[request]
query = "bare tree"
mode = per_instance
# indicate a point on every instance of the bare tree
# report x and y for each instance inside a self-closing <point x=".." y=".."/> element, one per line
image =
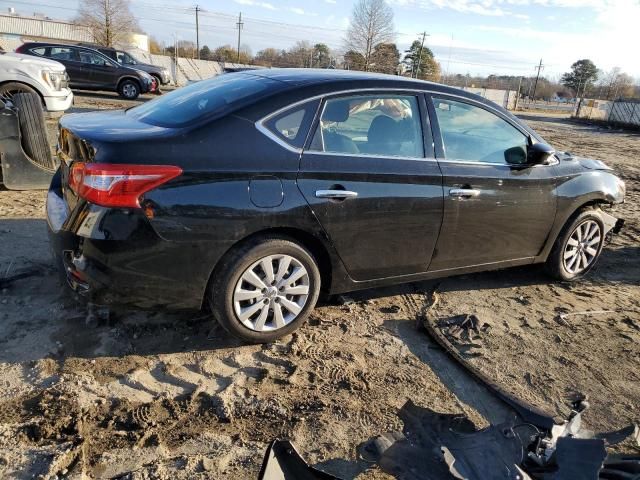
<point x="371" y="24"/>
<point x="110" y="21"/>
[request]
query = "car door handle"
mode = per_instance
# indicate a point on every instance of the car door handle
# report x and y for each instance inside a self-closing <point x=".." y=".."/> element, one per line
<point x="464" y="192"/>
<point x="336" y="194"/>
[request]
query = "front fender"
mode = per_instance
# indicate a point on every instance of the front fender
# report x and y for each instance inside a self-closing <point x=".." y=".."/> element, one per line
<point x="577" y="190"/>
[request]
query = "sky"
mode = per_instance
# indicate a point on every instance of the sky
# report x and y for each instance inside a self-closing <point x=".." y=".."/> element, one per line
<point x="502" y="37"/>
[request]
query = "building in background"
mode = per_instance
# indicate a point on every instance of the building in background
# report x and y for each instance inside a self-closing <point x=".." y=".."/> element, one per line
<point x="16" y="29"/>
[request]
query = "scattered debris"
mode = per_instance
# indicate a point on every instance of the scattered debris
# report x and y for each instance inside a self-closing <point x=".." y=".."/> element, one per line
<point x="283" y="462"/>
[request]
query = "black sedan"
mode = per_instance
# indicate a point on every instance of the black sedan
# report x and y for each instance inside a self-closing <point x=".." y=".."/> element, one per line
<point x="252" y="192"/>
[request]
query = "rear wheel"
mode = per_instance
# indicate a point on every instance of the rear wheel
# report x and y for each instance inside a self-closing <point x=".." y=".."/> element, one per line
<point x="129" y="89"/>
<point x="265" y="289"/>
<point x="578" y="246"/>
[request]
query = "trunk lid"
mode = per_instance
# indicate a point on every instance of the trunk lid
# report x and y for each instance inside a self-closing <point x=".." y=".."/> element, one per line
<point x="110" y="137"/>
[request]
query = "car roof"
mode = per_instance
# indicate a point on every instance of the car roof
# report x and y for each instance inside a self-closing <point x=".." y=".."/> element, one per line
<point x="308" y="76"/>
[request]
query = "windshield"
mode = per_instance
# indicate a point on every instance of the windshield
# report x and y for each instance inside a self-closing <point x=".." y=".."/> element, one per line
<point x="201" y="99"/>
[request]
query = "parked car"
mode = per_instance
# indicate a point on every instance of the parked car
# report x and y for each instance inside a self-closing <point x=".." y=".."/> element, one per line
<point x="160" y="74"/>
<point x="252" y="192"/>
<point x="89" y="69"/>
<point x="47" y="78"/>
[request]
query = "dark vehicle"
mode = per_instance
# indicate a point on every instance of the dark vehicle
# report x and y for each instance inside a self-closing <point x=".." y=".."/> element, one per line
<point x="252" y="192"/>
<point x="89" y="69"/>
<point x="160" y="74"/>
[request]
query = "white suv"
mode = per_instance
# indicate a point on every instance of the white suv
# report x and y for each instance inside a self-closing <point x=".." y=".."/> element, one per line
<point x="47" y="78"/>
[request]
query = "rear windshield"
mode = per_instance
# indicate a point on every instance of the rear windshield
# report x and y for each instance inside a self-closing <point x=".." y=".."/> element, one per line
<point x="202" y="99"/>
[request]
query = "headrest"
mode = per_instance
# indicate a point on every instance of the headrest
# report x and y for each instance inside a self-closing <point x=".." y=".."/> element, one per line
<point x="336" y="111"/>
<point x="382" y="129"/>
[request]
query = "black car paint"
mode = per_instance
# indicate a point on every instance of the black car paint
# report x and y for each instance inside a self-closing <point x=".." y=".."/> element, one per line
<point x="87" y="76"/>
<point x="238" y="182"/>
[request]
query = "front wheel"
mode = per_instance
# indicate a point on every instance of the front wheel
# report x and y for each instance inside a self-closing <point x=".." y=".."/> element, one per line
<point x="129" y="89"/>
<point x="578" y="246"/>
<point x="265" y="289"/>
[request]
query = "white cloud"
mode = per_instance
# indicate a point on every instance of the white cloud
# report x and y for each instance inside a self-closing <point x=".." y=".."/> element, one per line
<point x="253" y="3"/>
<point x="332" y="2"/>
<point x="301" y="11"/>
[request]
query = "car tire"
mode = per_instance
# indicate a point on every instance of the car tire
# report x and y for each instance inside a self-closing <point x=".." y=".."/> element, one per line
<point x="158" y="85"/>
<point x="578" y="246"/>
<point x="8" y="90"/>
<point x="33" y="129"/>
<point x="259" y="310"/>
<point x="129" y="89"/>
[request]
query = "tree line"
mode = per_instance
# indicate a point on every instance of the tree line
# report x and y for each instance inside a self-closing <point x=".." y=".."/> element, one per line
<point x="369" y="45"/>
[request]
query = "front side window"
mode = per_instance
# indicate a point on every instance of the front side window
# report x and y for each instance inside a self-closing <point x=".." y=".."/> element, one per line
<point x="473" y="134"/>
<point x="92" y="58"/>
<point x="387" y="125"/>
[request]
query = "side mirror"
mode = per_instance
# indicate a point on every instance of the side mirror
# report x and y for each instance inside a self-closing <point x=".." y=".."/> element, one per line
<point x="516" y="156"/>
<point x="539" y="153"/>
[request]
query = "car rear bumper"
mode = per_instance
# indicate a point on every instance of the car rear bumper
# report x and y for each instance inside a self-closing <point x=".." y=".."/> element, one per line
<point x="114" y="257"/>
<point x="59" y="103"/>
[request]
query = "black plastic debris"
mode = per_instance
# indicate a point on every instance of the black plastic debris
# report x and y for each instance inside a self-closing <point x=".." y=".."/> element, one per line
<point x="444" y="446"/>
<point x="283" y="462"/>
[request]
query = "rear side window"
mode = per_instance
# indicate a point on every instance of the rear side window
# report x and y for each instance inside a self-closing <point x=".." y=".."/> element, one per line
<point x="61" y="53"/>
<point x="473" y="134"/>
<point x="39" y="51"/>
<point x="292" y="125"/>
<point x="203" y="99"/>
<point x="387" y="125"/>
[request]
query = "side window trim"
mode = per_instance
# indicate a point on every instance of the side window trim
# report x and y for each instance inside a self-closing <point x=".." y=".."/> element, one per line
<point x="265" y="125"/>
<point x="437" y="133"/>
<point x="427" y="152"/>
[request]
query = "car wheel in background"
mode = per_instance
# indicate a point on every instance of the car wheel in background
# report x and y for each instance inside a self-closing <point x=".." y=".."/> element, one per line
<point x="264" y="289"/>
<point x="129" y="89"/>
<point x="33" y="129"/>
<point x="578" y="246"/>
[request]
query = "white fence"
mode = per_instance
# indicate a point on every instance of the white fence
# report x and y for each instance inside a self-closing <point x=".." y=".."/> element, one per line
<point x="622" y="112"/>
<point x="187" y="69"/>
<point x="504" y="98"/>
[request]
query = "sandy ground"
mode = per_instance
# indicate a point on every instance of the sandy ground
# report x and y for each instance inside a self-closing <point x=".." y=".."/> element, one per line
<point x="171" y="396"/>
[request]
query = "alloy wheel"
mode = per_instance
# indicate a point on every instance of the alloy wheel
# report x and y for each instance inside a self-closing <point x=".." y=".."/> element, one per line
<point x="129" y="90"/>
<point x="582" y="247"/>
<point x="271" y="293"/>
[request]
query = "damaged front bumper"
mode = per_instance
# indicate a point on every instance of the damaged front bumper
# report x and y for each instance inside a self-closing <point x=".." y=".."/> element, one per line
<point x="612" y="225"/>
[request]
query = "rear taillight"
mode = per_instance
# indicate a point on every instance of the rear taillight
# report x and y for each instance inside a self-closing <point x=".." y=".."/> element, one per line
<point x="113" y="185"/>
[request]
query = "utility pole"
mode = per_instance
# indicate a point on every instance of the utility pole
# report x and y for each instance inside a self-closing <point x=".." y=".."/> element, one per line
<point x="198" y="31"/>
<point x="535" y="85"/>
<point x="239" y="24"/>
<point x="424" y="36"/>
<point x="515" y="107"/>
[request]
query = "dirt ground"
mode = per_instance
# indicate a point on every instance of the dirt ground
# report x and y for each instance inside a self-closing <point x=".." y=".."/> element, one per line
<point x="151" y="395"/>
